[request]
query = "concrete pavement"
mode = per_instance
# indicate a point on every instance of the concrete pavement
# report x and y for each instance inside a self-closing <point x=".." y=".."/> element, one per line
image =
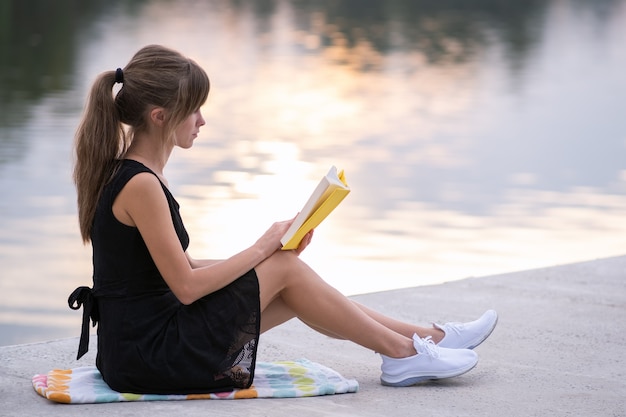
<point x="558" y="350"/>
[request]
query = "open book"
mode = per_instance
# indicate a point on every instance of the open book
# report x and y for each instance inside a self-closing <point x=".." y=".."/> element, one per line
<point x="330" y="191"/>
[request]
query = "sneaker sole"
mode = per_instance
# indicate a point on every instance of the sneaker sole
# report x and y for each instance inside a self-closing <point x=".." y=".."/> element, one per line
<point x="476" y="344"/>
<point x="407" y="382"/>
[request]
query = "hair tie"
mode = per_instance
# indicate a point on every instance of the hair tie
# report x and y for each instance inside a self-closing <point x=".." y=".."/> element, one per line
<point x="119" y="76"/>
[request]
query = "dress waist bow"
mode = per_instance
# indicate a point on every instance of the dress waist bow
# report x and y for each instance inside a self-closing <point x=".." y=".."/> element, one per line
<point x="83" y="297"/>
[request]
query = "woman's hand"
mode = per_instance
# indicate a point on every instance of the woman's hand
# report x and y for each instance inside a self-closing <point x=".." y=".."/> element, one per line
<point x="270" y="241"/>
<point x="304" y="242"/>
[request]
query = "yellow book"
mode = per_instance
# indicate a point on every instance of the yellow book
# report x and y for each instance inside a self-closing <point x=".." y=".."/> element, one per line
<point x="330" y="191"/>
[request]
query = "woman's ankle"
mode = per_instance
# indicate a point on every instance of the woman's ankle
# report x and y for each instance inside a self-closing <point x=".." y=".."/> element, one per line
<point x="403" y="350"/>
<point x="436" y="334"/>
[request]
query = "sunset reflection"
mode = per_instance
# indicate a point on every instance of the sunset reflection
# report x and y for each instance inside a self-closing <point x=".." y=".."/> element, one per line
<point x="476" y="141"/>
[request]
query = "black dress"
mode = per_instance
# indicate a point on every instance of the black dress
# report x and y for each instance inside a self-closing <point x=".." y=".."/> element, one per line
<point x="148" y="341"/>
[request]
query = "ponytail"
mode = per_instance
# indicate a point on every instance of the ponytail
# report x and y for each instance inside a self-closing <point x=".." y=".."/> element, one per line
<point x="100" y="142"/>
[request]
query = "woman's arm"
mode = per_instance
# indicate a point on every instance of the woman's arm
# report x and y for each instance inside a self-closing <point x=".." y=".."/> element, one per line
<point x="201" y="263"/>
<point x="142" y="204"/>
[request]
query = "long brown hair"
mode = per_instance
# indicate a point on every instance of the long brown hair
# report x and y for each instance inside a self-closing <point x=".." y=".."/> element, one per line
<point x="155" y="76"/>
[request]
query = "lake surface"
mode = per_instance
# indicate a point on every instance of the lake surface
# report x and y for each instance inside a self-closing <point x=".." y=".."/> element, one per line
<point x="478" y="137"/>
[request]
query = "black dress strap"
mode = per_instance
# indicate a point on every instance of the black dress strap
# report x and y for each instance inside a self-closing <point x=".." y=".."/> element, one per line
<point x="83" y="296"/>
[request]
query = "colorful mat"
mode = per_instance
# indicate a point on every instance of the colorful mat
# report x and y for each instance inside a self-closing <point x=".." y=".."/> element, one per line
<point x="284" y="379"/>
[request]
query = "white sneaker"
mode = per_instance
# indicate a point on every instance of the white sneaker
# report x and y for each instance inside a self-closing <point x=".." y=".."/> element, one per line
<point x="431" y="362"/>
<point x="468" y="335"/>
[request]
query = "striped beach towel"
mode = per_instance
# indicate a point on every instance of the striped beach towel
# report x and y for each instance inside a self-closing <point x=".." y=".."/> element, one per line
<point x="281" y="379"/>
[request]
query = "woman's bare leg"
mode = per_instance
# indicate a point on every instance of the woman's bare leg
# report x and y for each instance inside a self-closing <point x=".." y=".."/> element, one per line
<point x="401" y="327"/>
<point x="283" y="276"/>
<point x="278" y="312"/>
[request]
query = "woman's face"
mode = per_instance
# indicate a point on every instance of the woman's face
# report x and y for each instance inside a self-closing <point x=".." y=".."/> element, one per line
<point x="188" y="130"/>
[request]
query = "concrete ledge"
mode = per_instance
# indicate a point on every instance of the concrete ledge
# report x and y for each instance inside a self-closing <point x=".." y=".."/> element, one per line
<point x="558" y="350"/>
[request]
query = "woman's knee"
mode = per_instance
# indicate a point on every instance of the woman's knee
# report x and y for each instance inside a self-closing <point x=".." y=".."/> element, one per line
<point x="279" y="266"/>
<point x="274" y="274"/>
<point x="280" y="262"/>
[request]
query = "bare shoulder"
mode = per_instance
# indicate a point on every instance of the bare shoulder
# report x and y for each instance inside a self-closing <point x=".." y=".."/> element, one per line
<point x="144" y="181"/>
<point x="142" y="195"/>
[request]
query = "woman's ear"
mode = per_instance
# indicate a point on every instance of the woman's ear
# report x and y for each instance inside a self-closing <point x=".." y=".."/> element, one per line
<point x="157" y="116"/>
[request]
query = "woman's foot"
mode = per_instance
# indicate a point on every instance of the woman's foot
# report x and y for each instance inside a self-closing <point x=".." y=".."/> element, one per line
<point x="468" y="335"/>
<point x="431" y="362"/>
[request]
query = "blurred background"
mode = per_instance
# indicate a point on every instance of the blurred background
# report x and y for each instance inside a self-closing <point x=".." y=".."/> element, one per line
<point x="478" y="137"/>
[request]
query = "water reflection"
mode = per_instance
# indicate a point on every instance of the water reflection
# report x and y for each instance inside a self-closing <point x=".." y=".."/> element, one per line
<point x="478" y="137"/>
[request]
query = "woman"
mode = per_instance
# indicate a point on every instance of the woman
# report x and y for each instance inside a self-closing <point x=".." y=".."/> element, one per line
<point x="168" y="323"/>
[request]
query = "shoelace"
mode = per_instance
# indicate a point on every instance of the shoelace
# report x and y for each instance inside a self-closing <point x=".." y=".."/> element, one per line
<point x="455" y="327"/>
<point x="426" y="346"/>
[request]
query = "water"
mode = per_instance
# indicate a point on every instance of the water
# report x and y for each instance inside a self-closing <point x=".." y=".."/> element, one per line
<point x="478" y="138"/>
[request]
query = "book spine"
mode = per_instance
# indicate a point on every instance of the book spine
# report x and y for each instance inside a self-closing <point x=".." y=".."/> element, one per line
<point x="317" y="217"/>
